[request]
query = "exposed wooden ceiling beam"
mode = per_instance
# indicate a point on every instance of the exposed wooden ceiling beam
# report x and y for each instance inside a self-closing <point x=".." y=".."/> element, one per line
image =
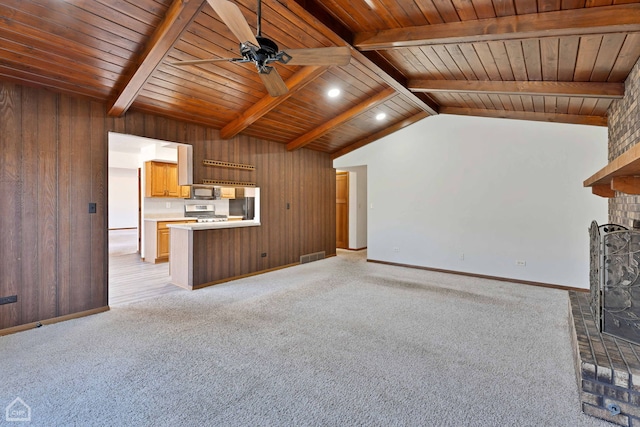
<point x="178" y="17"/>
<point x="580" y="89"/>
<point x="591" y="20"/>
<point x="341" y="118"/>
<point x="396" y="80"/>
<point x="527" y="115"/>
<point x="381" y="134"/>
<point x="296" y="82"/>
<point x="314" y="13"/>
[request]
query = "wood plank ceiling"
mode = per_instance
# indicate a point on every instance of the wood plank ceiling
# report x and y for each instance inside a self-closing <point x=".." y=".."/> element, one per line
<point x="549" y="60"/>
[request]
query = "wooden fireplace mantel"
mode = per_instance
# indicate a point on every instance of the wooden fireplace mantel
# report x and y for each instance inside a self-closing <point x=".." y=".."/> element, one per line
<point x="621" y="174"/>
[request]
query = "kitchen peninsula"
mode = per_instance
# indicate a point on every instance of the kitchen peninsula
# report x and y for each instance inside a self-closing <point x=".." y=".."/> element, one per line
<point x="205" y="253"/>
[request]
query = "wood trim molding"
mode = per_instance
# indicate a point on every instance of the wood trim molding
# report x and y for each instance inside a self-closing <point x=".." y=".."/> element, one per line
<point x="178" y="17"/>
<point x="369" y="103"/>
<point x="591" y="20"/>
<point x="545" y="88"/>
<point x="51" y="321"/>
<point x="528" y="115"/>
<point x="483" y="276"/>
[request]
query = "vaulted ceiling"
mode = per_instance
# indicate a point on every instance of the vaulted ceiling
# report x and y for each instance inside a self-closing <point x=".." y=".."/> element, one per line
<point x="548" y="60"/>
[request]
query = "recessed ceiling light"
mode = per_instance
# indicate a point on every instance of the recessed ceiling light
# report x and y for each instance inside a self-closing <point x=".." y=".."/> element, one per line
<point x="380" y="116"/>
<point x="333" y="92"/>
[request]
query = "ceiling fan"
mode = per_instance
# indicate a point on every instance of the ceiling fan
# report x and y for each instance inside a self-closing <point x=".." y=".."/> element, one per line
<point x="262" y="51"/>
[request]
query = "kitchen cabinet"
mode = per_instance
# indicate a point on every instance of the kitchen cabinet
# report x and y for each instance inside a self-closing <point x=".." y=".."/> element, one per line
<point x="185" y="191"/>
<point x="228" y="192"/>
<point x="162" y="249"/>
<point x="157" y="239"/>
<point x="161" y="180"/>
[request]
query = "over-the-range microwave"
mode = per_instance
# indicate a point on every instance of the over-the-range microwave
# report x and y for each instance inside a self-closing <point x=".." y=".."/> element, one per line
<point x="205" y="192"/>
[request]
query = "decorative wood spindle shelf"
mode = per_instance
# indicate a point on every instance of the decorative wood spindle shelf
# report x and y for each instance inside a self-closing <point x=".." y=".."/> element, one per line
<point x="622" y="174"/>
<point x="228" y="183"/>
<point x="229" y="165"/>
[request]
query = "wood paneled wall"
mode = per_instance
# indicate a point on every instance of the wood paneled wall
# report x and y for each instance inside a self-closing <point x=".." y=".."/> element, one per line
<point x="54" y="154"/>
<point x="296" y="215"/>
<point x="54" y="162"/>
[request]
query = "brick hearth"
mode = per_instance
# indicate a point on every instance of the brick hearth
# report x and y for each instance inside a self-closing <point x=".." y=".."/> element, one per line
<point x="607" y="368"/>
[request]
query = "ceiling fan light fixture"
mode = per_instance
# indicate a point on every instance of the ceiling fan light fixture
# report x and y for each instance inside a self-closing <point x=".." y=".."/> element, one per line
<point x="262" y="51"/>
<point x="333" y="92"/>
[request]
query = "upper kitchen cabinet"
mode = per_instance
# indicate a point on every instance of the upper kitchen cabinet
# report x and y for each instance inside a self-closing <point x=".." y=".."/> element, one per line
<point x="161" y="180"/>
<point x="228" y="192"/>
<point x="185" y="191"/>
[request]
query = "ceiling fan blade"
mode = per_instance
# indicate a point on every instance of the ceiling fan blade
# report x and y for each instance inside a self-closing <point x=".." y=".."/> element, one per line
<point x="232" y="16"/>
<point x="201" y="61"/>
<point x="274" y="83"/>
<point x="320" y="56"/>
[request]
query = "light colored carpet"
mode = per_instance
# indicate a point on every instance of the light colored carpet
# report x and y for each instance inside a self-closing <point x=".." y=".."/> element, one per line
<point x="337" y="342"/>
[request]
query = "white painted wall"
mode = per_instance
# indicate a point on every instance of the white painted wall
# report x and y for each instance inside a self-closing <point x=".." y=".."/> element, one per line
<point x="122" y="160"/>
<point x="494" y="190"/>
<point x="123" y="198"/>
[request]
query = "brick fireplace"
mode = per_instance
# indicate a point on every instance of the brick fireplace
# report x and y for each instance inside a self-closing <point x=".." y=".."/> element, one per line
<point x="607" y="367"/>
<point x="608" y="364"/>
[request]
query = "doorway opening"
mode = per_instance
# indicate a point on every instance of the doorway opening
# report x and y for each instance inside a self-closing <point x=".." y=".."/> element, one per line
<point x="342" y="210"/>
<point x="351" y="208"/>
<point x="130" y="277"/>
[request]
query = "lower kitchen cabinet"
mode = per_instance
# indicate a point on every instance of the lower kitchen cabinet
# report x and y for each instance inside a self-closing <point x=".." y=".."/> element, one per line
<point x="157" y="238"/>
<point x="162" y="250"/>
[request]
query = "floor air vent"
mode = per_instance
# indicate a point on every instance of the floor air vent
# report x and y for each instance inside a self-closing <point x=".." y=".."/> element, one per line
<point x="311" y="257"/>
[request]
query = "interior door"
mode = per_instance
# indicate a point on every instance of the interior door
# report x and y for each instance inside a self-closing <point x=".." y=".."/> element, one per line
<point x="342" y="210"/>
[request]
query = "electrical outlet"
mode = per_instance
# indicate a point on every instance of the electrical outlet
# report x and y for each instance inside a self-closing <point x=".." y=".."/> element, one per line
<point x="168" y="205"/>
<point x="521" y="263"/>
<point x="396" y="249"/>
<point x="461" y="256"/>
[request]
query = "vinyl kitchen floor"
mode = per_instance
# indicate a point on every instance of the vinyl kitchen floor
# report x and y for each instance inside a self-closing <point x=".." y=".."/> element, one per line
<point x="130" y="278"/>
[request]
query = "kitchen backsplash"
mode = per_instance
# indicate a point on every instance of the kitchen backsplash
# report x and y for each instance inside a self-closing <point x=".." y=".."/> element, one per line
<point x="154" y="207"/>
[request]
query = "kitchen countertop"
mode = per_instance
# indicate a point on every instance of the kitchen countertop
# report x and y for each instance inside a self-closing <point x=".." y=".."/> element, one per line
<point x="167" y="218"/>
<point x="215" y="225"/>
